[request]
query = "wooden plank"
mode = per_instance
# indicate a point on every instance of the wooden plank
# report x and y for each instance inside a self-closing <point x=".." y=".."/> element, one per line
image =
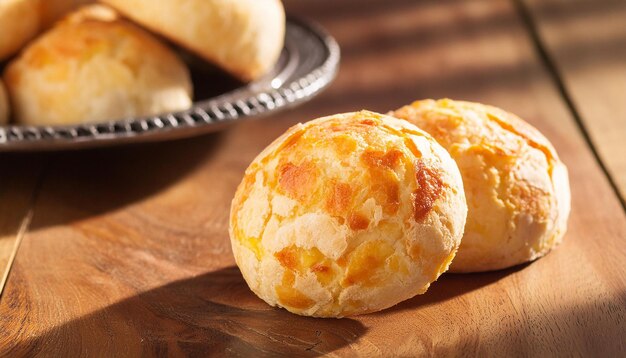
<point x="128" y="251"/>
<point x="586" y="40"/>
<point x="17" y="189"/>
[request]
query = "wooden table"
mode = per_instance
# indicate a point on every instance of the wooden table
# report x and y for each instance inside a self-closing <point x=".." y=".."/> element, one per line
<point x="125" y="251"/>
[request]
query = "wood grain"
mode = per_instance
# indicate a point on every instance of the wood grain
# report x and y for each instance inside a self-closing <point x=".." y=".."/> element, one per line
<point x="586" y="39"/>
<point x="128" y="250"/>
<point x="17" y="191"/>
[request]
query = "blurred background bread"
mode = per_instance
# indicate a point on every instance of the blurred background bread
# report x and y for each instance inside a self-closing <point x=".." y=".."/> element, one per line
<point x="19" y="22"/>
<point x="94" y="66"/>
<point x="517" y="188"/>
<point x="54" y="10"/>
<point x="4" y="105"/>
<point x="244" y="37"/>
<point x="22" y="20"/>
<point x="347" y="214"/>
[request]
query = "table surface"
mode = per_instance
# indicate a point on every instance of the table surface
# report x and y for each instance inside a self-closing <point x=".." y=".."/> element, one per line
<point x="125" y="251"/>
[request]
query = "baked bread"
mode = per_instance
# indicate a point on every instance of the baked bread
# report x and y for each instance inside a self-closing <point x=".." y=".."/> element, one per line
<point x="347" y="214"/>
<point x="19" y="22"/>
<point x="245" y="37"/>
<point x="54" y="10"/>
<point x="4" y="105"/>
<point x="93" y="67"/>
<point x="517" y="188"/>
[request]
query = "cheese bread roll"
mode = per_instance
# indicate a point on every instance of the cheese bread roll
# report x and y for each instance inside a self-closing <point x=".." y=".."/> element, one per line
<point x="347" y="214"/>
<point x="517" y="188"/>
<point x="244" y="37"/>
<point x="92" y="67"/>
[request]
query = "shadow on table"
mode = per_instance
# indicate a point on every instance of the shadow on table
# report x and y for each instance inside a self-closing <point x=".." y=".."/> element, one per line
<point x="451" y="285"/>
<point x="78" y="185"/>
<point x="214" y="313"/>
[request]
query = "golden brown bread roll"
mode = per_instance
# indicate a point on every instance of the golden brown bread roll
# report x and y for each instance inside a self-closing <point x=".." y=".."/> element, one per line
<point x="94" y="67"/>
<point x="347" y="214"/>
<point x="4" y="105"/>
<point x="245" y="37"/>
<point x="19" y="22"/>
<point x="517" y="188"/>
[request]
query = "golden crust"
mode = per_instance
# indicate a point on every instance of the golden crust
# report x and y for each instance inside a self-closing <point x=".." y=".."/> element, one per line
<point x="245" y="37"/>
<point x="347" y="214"/>
<point x="19" y="22"/>
<point x="4" y="105"/>
<point x="517" y="188"/>
<point x="93" y="67"/>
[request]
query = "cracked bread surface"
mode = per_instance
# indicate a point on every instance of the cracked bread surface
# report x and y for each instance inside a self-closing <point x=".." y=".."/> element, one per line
<point x="347" y="214"/>
<point x="517" y="189"/>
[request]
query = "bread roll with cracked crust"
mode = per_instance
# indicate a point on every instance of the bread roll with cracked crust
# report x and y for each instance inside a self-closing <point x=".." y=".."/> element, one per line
<point x="4" y="105"/>
<point x="347" y="214"/>
<point x="517" y="188"/>
<point x="19" y="22"/>
<point x="245" y="37"/>
<point x="92" y="67"/>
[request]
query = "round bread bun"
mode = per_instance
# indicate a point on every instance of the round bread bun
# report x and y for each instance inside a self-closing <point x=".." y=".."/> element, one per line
<point x="245" y="37"/>
<point x="19" y="22"/>
<point x="93" y="67"/>
<point x="347" y="214"/>
<point x="517" y="189"/>
<point x="4" y="105"/>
